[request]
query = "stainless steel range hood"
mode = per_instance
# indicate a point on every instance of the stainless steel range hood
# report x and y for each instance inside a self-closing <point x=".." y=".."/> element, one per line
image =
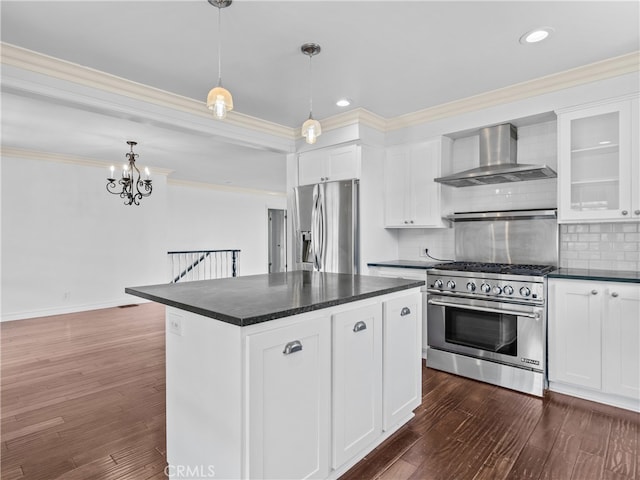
<point x="498" y="152"/>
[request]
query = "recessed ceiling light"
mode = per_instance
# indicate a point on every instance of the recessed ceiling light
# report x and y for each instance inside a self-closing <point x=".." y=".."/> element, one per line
<point x="343" y="102"/>
<point x="537" y="35"/>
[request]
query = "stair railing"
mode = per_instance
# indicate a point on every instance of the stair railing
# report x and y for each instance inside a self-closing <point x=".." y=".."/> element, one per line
<point x="190" y="265"/>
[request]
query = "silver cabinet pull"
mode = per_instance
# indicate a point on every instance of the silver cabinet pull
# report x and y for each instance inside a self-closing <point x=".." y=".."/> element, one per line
<point x="624" y="212"/>
<point x="292" y="347"/>
<point x="359" y="326"/>
<point x="405" y="311"/>
<point x="614" y="294"/>
<point x="594" y="292"/>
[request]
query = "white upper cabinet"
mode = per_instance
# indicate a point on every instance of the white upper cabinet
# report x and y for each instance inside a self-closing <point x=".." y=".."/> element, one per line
<point x="329" y="164"/>
<point x="412" y="198"/>
<point x="598" y="167"/>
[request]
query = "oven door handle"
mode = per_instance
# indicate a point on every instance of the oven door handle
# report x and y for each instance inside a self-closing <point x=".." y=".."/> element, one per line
<point x="535" y="315"/>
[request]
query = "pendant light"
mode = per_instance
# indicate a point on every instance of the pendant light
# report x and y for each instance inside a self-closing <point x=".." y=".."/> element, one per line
<point x="219" y="99"/>
<point x="311" y="129"/>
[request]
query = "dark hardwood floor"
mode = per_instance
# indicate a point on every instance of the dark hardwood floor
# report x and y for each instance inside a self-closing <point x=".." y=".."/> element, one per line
<point x="83" y="398"/>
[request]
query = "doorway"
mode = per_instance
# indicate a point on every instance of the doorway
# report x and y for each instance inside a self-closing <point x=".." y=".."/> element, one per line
<point x="277" y="240"/>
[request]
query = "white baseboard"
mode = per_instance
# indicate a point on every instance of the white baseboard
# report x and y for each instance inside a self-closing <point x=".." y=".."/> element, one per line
<point x="632" y="404"/>
<point x="48" y="312"/>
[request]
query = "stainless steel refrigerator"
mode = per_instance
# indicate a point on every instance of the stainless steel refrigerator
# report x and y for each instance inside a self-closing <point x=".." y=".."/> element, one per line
<point x="325" y="226"/>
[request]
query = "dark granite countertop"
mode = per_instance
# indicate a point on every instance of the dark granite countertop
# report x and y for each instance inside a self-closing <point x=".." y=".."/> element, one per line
<point x="600" y="275"/>
<point x="417" y="264"/>
<point x="259" y="298"/>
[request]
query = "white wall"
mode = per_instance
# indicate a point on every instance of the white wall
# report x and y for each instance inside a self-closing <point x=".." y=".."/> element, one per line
<point x="68" y="245"/>
<point x="206" y="218"/>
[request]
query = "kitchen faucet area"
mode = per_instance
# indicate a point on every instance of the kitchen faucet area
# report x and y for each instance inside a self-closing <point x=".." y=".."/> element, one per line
<point x="338" y="240"/>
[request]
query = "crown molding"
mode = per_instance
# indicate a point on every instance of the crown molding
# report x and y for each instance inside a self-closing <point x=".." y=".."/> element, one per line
<point x="358" y="115"/>
<point x="593" y="72"/>
<point x="223" y="188"/>
<point x="54" y="67"/>
<point x="68" y="159"/>
<point x="72" y="72"/>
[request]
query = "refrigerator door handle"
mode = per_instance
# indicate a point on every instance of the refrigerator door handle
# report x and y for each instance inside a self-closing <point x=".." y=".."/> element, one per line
<point x="316" y="227"/>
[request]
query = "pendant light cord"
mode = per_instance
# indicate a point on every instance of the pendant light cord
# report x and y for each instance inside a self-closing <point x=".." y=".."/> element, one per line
<point x="310" y="88"/>
<point x="219" y="49"/>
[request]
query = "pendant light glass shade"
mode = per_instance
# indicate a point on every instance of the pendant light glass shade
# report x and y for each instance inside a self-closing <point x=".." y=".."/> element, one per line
<point x="220" y="102"/>
<point x="219" y="99"/>
<point x="311" y="130"/>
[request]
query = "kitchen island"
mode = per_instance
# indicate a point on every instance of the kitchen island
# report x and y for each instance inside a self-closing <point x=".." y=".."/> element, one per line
<point x="288" y="375"/>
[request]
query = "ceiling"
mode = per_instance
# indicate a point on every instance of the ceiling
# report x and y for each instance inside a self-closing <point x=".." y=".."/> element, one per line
<point x="391" y="58"/>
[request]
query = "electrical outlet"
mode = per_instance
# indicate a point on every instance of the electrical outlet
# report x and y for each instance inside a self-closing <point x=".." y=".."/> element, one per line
<point x="422" y="251"/>
<point x="175" y="325"/>
<point x="66" y="296"/>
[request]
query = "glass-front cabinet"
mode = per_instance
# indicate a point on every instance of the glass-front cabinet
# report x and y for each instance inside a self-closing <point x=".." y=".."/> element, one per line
<point x="598" y="167"/>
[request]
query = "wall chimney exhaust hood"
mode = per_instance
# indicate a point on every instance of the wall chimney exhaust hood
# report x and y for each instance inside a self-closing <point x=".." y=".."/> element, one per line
<point x="498" y="152"/>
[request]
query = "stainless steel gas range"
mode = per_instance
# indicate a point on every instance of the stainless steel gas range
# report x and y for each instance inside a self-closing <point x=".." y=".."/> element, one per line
<point x="486" y="319"/>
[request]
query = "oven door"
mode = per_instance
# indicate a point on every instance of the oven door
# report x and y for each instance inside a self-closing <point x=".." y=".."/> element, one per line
<point x="501" y="332"/>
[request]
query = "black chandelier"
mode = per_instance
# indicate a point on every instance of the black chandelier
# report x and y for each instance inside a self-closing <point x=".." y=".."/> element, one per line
<point x="129" y="171"/>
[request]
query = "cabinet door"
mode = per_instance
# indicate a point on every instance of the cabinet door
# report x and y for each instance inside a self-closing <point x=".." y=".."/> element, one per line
<point x="312" y="167"/>
<point x="575" y="322"/>
<point x="357" y="381"/>
<point x="396" y="194"/>
<point x="635" y="156"/>
<point x="343" y="163"/>
<point x="328" y="165"/>
<point x="401" y="358"/>
<point x="288" y="391"/>
<point x="621" y="334"/>
<point x="595" y="163"/>
<point x="426" y="161"/>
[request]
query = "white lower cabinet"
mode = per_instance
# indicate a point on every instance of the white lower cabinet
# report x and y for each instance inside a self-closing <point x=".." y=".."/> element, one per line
<point x="413" y="273"/>
<point x="357" y="381"/>
<point x="594" y="338"/>
<point x="402" y="366"/>
<point x="289" y="384"/>
<point x="305" y="396"/>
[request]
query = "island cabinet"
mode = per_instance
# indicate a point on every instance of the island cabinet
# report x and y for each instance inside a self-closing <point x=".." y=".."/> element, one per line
<point x="289" y="371"/>
<point x="357" y="381"/>
<point x="304" y="396"/>
<point x="594" y="337"/>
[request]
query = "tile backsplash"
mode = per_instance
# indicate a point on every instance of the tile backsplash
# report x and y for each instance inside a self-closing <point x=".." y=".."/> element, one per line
<point x="609" y="246"/>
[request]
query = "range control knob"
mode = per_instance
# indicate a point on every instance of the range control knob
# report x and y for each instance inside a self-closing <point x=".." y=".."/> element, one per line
<point x="438" y="283"/>
<point x="471" y="286"/>
<point x="525" y="291"/>
<point x="451" y="284"/>
<point x="508" y="289"/>
<point x="485" y="287"/>
<point x="497" y="290"/>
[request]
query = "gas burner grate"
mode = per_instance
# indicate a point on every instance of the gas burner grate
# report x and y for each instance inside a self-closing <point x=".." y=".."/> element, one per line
<point x="501" y="268"/>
